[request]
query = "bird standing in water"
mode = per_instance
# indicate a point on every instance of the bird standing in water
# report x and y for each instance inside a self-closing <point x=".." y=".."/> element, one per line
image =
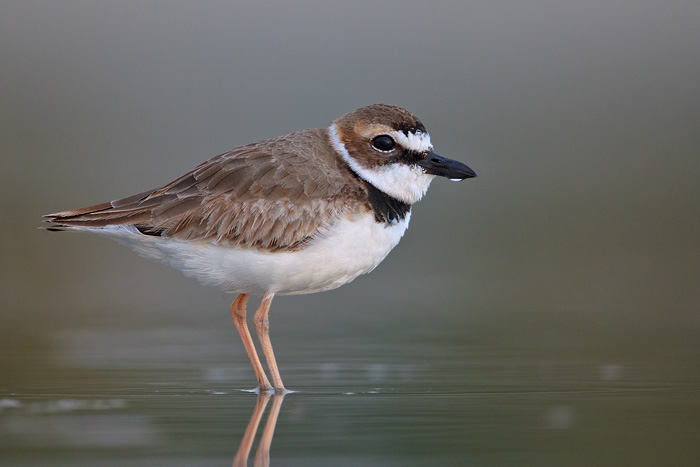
<point x="301" y="213"/>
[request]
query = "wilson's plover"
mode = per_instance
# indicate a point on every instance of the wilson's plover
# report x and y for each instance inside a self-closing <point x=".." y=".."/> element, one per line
<point x="301" y="213"/>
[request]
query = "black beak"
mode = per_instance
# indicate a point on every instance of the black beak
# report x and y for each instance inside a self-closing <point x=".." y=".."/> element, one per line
<point x="444" y="167"/>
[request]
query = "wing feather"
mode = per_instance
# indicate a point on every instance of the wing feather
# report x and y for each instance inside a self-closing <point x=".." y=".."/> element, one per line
<point x="266" y="195"/>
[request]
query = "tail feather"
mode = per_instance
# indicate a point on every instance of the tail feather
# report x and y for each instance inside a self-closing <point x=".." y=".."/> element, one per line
<point x="125" y="211"/>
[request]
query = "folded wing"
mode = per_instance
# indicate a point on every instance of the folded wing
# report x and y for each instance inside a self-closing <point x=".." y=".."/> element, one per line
<point x="266" y="195"/>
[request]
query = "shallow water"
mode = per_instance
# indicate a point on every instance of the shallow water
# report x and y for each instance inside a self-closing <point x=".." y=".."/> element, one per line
<point x="108" y="398"/>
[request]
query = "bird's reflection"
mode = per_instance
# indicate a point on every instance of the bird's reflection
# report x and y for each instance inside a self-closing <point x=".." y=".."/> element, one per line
<point x="262" y="455"/>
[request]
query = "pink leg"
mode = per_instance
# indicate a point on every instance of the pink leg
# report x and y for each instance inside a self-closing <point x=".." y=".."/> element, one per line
<point x="238" y="315"/>
<point x="262" y="329"/>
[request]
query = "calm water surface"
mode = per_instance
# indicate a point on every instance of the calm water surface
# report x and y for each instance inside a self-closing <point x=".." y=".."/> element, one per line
<point x="101" y="400"/>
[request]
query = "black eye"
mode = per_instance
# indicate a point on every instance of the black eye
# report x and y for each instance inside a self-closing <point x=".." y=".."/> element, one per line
<point x="384" y="143"/>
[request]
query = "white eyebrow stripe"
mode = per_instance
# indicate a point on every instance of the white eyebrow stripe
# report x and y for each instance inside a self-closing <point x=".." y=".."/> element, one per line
<point x="418" y="141"/>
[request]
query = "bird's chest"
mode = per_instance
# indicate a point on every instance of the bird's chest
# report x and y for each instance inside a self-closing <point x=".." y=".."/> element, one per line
<point x="352" y="246"/>
<point x="357" y="242"/>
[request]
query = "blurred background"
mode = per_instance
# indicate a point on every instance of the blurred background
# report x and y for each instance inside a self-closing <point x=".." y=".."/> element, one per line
<point x="579" y="237"/>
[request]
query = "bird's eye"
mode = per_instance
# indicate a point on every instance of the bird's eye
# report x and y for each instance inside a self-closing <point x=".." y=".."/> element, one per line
<point x="384" y="143"/>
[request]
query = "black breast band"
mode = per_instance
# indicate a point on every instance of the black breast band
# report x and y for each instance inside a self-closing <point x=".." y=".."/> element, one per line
<point x="386" y="208"/>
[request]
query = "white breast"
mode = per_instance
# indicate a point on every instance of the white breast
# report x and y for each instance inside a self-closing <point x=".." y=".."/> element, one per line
<point x="353" y="246"/>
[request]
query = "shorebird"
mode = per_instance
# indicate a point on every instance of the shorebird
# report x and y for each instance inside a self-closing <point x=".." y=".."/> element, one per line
<point x="301" y="213"/>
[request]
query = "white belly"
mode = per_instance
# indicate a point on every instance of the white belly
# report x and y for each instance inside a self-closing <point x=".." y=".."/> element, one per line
<point x="353" y="246"/>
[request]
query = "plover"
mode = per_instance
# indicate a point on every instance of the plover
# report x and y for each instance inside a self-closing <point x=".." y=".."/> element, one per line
<point x="301" y="213"/>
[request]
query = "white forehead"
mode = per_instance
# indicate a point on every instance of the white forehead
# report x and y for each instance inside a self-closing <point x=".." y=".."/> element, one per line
<point x="418" y="141"/>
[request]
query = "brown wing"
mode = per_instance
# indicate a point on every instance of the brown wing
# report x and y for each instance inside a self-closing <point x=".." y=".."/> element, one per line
<point x="267" y="195"/>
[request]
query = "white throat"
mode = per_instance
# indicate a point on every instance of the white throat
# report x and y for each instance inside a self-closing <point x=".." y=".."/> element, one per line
<point x="407" y="183"/>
